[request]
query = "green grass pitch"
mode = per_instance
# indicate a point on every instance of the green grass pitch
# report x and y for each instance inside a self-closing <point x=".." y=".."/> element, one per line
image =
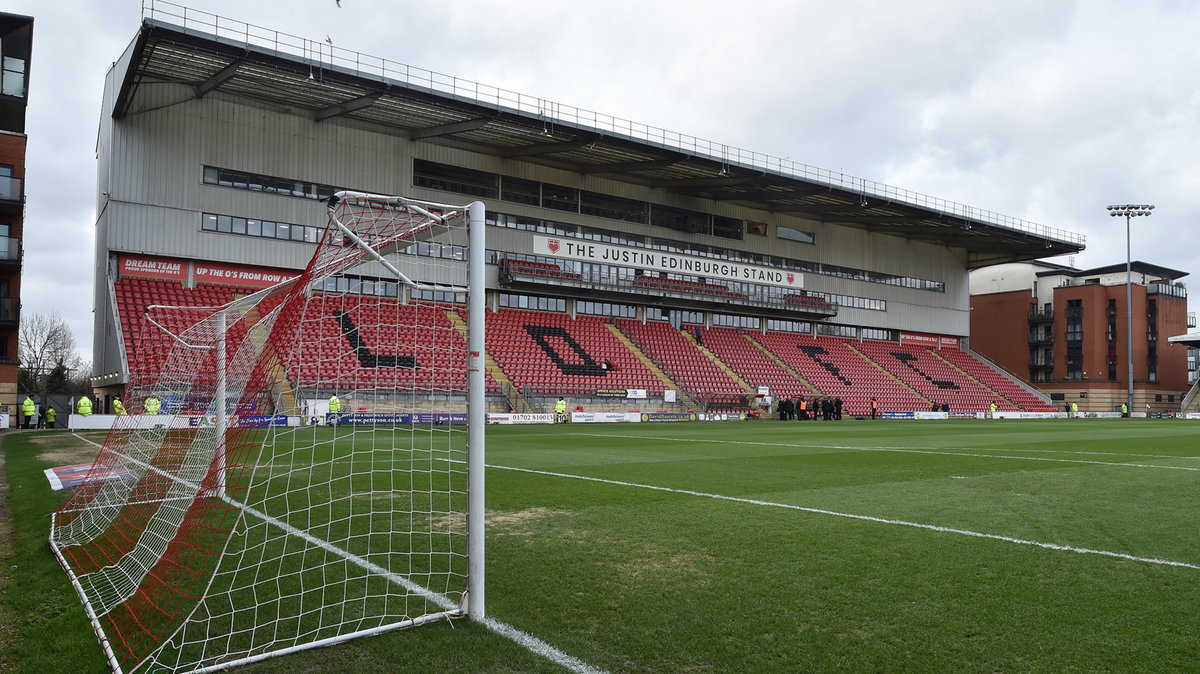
<point x="950" y="546"/>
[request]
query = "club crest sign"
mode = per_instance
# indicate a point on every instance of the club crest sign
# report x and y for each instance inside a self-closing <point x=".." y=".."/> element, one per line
<point x="553" y="245"/>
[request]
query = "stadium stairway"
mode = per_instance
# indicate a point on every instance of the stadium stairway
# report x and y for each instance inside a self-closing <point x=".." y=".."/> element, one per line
<point x="684" y="397"/>
<point x="755" y="363"/>
<point x="516" y="402"/>
<point x="282" y="389"/>
<point x="750" y="390"/>
<point x="883" y="369"/>
<point x="996" y="393"/>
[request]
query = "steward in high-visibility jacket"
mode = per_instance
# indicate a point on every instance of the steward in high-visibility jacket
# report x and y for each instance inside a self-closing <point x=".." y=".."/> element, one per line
<point x="560" y="411"/>
<point x="51" y="417"/>
<point x="28" y="408"/>
<point x="335" y="404"/>
<point x="85" y="406"/>
<point x="152" y="405"/>
<point x="118" y="406"/>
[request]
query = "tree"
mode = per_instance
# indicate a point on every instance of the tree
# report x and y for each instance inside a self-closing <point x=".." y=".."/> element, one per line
<point x="45" y="344"/>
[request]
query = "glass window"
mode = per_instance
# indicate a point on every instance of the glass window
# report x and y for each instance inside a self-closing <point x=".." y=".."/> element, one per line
<point x="13" y="83"/>
<point x="614" y="208"/>
<point x="560" y="198"/>
<point x="794" y="235"/>
<point x="224" y="223"/>
<point x="209" y="222"/>
<point x="455" y="179"/>
<point x="679" y="219"/>
<point x="521" y="191"/>
<point x="727" y="228"/>
<point x="254" y="227"/>
<point x="239" y="225"/>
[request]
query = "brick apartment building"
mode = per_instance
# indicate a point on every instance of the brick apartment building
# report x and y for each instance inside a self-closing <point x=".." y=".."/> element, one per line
<point x="1064" y="330"/>
<point x="16" y="43"/>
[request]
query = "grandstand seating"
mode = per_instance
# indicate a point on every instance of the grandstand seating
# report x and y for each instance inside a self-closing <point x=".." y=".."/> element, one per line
<point x="376" y="359"/>
<point x="808" y="301"/>
<point x="147" y="347"/>
<point x="552" y="353"/>
<point x="838" y="371"/>
<point x="365" y="341"/>
<point x="679" y="358"/>
<point x="994" y="380"/>
<point x="680" y="285"/>
<point x="546" y="269"/>
<point x="749" y="362"/>
<point x="935" y="378"/>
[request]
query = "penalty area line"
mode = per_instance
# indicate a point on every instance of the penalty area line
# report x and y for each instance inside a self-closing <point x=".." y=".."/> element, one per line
<point x="863" y="518"/>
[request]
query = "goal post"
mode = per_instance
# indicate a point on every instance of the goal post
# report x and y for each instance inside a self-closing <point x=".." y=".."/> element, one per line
<point x="316" y="471"/>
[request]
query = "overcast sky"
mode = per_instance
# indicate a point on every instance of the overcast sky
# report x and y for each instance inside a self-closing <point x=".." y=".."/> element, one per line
<point x="1044" y="111"/>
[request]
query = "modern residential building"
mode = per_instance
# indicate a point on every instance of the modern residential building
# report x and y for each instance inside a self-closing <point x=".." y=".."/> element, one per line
<point x="16" y="43"/>
<point x="1064" y="330"/>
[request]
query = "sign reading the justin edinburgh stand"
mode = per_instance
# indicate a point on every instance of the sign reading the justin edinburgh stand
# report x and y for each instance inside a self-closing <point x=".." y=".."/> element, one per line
<point x="658" y="260"/>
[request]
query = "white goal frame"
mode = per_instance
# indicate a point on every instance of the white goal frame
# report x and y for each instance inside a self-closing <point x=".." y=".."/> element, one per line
<point x="213" y="484"/>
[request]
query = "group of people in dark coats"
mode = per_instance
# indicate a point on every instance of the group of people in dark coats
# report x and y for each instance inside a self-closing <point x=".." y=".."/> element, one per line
<point x="824" y="408"/>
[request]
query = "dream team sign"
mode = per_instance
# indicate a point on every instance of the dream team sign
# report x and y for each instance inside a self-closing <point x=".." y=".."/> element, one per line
<point x="657" y="260"/>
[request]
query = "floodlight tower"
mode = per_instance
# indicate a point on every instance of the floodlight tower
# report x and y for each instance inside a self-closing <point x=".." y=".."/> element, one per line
<point x="1129" y="211"/>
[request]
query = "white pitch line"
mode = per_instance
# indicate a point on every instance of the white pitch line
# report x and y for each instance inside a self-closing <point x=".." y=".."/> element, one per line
<point x="865" y="518"/>
<point x="902" y="450"/>
<point x="528" y="641"/>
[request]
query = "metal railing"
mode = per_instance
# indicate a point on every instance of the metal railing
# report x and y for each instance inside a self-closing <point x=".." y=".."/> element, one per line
<point x="10" y="248"/>
<point x="323" y="56"/>
<point x="10" y="189"/>
<point x="10" y="309"/>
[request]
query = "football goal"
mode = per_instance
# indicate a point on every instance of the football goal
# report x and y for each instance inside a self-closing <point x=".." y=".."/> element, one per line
<point x="303" y="464"/>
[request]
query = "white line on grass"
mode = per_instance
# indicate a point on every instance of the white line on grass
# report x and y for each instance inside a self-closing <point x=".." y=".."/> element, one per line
<point x="865" y="518"/>
<point x="902" y="450"/>
<point x="530" y="642"/>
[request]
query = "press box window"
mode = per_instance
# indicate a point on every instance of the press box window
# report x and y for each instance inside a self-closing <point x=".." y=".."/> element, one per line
<point x="794" y="235"/>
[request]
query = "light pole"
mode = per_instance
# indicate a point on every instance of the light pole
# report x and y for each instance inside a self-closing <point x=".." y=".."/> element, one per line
<point x="1129" y="211"/>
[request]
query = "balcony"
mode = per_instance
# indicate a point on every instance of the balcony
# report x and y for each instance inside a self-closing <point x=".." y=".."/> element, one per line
<point x="1037" y="315"/>
<point x="10" y="190"/>
<point x="523" y="273"/>
<point x="1042" y="340"/>
<point x="10" y="250"/>
<point x="1040" y="364"/>
<point x="10" y="310"/>
<point x="1166" y="290"/>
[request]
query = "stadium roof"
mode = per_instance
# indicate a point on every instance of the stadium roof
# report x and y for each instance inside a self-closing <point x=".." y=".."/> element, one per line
<point x="1145" y="268"/>
<point x="214" y="55"/>
<point x="1192" y="339"/>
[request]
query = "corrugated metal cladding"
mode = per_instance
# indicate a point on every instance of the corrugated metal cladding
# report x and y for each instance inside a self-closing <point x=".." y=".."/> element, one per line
<point x="157" y="176"/>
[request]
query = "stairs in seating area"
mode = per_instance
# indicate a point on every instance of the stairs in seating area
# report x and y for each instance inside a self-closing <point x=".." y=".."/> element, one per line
<point x="708" y="353"/>
<point x="684" y="398"/>
<point x="678" y="356"/>
<point x="516" y="401"/>
<point x="276" y="372"/>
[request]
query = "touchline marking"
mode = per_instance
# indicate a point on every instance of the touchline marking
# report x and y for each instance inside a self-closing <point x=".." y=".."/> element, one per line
<point x="530" y="642"/>
<point x="865" y="518"/>
<point x="903" y="450"/>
